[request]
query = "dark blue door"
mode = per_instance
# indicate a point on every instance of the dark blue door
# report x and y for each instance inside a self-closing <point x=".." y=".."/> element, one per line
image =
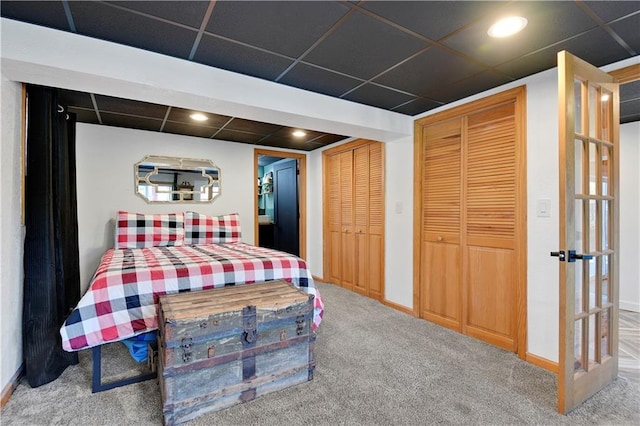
<point x="285" y="189"/>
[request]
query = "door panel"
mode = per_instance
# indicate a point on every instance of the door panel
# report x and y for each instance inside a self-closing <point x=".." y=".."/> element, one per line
<point x="361" y="218"/>
<point x="376" y="265"/>
<point x="361" y="262"/>
<point x="285" y="190"/>
<point x="588" y="329"/>
<point x="490" y="313"/>
<point x="441" y="219"/>
<point x="490" y="218"/>
<point x="441" y="284"/>
<point x="335" y="224"/>
<point x="376" y="220"/>
<point x="347" y="268"/>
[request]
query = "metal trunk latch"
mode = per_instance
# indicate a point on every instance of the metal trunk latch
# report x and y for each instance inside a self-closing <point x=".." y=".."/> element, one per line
<point x="249" y="325"/>
<point x="299" y="324"/>
<point x="185" y="344"/>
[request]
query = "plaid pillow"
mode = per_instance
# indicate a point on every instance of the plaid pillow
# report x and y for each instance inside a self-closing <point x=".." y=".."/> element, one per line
<point x="203" y="229"/>
<point x="135" y="230"/>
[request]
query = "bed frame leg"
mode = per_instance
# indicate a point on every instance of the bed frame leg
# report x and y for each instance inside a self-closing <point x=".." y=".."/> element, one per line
<point x="98" y="386"/>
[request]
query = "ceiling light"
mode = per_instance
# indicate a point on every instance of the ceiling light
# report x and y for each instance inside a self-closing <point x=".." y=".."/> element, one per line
<point x="507" y="26"/>
<point x="199" y="117"/>
<point x="299" y="133"/>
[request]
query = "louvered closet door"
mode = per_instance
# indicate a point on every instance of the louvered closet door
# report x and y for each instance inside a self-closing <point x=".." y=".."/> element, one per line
<point x="347" y="264"/>
<point x="441" y="219"/>
<point x="335" y="223"/>
<point x="376" y="220"/>
<point x="361" y="219"/>
<point x="490" y="204"/>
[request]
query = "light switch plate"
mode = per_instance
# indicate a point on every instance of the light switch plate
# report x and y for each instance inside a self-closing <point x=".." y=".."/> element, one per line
<point x="398" y="207"/>
<point x="543" y="208"/>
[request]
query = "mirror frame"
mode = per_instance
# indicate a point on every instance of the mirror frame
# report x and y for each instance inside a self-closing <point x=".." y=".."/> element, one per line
<point x="193" y="165"/>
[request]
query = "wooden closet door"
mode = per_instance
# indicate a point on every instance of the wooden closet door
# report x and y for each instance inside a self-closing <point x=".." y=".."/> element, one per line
<point x="347" y="264"/>
<point x="376" y="221"/>
<point x="441" y="220"/>
<point x="334" y="222"/>
<point x="361" y="219"/>
<point x="490" y="207"/>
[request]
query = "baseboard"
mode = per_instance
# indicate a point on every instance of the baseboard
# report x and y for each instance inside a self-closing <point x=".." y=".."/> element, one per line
<point x="397" y="307"/>
<point x="542" y="362"/>
<point x="11" y="386"/>
<point x="318" y="279"/>
<point x="629" y="306"/>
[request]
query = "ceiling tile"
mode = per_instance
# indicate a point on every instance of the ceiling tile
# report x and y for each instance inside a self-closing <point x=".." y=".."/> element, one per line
<point x="129" y="107"/>
<point x="327" y="139"/>
<point x="630" y="90"/>
<point x="417" y="106"/>
<point x="236" y="57"/>
<point x="629" y="30"/>
<point x="235" y="136"/>
<point x="183" y="116"/>
<point x="549" y="22"/>
<point x="278" y="142"/>
<point x="428" y="71"/>
<point x="318" y="80"/>
<point x="286" y="136"/>
<point x="377" y="96"/>
<point x="256" y="127"/>
<point x="84" y="115"/>
<point x="432" y="19"/>
<point x="363" y="47"/>
<point x="610" y="10"/>
<point x="108" y="23"/>
<point x="189" y="129"/>
<point x="595" y="47"/>
<point x="183" y="12"/>
<point x="630" y="102"/>
<point x="129" y="121"/>
<point x="469" y="86"/>
<point x="630" y="111"/>
<point x="270" y="25"/>
<point x="74" y="98"/>
<point x="52" y="16"/>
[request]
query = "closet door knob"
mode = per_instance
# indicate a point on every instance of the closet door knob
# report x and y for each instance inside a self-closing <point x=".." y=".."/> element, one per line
<point x="439" y="238"/>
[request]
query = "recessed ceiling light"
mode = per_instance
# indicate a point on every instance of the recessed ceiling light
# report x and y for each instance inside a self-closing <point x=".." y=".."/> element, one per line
<point x="299" y="133"/>
<point x="199" y="117"/>
<point x="507" y="26"/>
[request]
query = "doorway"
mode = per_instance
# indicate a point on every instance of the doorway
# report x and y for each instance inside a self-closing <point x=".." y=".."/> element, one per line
<point x="280" y="201"/>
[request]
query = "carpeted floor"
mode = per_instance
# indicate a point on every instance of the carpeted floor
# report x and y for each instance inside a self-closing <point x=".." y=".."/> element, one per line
<point x="375" y="366"/>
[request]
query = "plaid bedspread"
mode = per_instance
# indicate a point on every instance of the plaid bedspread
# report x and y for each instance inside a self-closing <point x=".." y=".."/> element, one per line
<point x="121" y="300"/>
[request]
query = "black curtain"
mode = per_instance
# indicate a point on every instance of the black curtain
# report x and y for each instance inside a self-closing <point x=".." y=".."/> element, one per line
<point x="51" y="269"/>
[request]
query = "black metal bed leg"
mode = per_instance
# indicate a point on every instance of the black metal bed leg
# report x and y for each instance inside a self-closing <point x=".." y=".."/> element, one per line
<point x="96" y="382"/>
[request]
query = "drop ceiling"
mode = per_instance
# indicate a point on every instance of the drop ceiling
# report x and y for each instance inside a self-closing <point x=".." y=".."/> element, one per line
<point x="403" y="56"/>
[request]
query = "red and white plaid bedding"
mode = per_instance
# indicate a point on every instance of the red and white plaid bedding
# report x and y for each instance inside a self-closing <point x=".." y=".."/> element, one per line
<point x="121" y="300"/>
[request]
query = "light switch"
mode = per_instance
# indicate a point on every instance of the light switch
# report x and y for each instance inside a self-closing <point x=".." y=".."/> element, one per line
<point x="543" y="208"/>
<point x="398" y="207"/>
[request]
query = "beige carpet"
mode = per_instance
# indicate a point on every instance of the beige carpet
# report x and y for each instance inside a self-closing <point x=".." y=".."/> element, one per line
<point x="375" y="366"/>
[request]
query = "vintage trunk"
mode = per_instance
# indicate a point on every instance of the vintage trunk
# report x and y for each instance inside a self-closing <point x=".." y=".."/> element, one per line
<point x="224" y="346"/>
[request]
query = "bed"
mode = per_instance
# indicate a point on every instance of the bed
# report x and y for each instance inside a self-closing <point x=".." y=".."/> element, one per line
<point x="164" y="254"/>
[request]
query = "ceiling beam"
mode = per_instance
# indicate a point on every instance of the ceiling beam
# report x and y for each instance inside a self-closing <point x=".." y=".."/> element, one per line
<point x="38" y="55"/>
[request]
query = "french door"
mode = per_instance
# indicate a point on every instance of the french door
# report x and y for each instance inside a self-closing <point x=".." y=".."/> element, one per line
<point x="588" y="280"/>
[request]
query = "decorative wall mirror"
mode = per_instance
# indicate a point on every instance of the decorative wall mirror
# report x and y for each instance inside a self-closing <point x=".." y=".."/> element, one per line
<point x="176" y="180"/>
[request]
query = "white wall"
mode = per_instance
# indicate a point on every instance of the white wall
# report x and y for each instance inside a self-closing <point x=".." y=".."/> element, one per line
<point x="105" y="158"/>
<point x="630" y="216"/>
<point x="11" y="233"/>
